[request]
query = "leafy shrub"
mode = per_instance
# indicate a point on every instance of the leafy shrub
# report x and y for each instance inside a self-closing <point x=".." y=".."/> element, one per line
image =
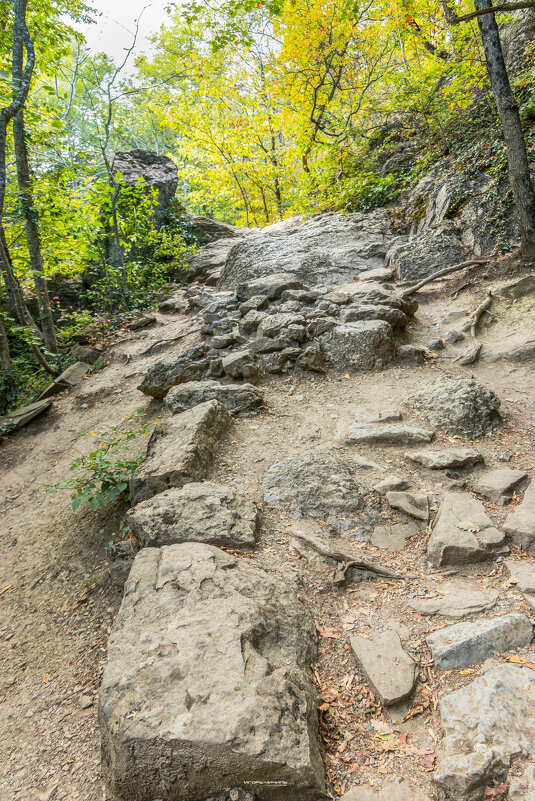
<point x="104" y="474"/>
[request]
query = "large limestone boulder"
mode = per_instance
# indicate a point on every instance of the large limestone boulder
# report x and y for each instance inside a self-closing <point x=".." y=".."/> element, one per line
<point x="198" y="512"/>
<point x="325" y="250"/>
<point x="156" y="171"/>
<point x="463" y="532"/>
<point x="237" y="398"/>
<point x="208" y="684"/>
<point x="460" y="407"/>
<point x="180" y="450"/>
<point x="364" y="345"/>
<point x="185" y="368"/>
<point x="485" y="723"/>
<point x="423" y="255"/>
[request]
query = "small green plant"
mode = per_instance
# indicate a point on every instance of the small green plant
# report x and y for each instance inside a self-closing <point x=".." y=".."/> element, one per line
<point x="104" y="474"/>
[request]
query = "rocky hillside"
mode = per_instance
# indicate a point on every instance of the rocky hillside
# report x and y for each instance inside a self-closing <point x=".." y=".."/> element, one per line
<point x="325" y="584"/>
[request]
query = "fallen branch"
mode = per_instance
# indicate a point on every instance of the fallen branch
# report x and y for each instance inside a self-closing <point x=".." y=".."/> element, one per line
<point x="164" y="341"/>
<point x="440" y="273"/>
<point x="347" y="561"/>
<point x="470" y="356"/>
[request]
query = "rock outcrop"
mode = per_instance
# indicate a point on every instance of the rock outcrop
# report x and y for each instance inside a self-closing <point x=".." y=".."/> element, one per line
<point x="207" y="684"/>
<point x="460" y="407"/>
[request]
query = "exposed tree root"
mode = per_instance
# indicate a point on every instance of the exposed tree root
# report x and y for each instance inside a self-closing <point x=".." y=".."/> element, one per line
<point x="472" y="353"/>
<point x="446" y="271"/>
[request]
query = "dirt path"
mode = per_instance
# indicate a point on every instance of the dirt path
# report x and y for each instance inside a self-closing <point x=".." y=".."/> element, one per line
<point x="56" y="612"/>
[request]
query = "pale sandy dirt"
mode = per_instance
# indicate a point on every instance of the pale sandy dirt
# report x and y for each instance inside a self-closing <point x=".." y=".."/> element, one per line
<point x="60" y="603"/>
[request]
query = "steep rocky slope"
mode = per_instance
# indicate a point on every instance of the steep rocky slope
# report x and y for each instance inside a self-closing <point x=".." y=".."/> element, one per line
<point x="337" y="596"/>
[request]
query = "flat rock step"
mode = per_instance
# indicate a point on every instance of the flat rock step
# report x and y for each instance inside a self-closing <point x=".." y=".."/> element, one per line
<point x="447" y="457"/>
<point x="180" y="450"/>
<point x="498" y="484"/>
<point x="520" y="523"/>
<point x="387" y="434"/>
<point x="24" y="414"/>
<point x="390" y="671"/>
<point x="522" y="573"/>
<point x="71" y="377"/>
<point x="465" y="644"/>
<point x="206" y="512"/>
<point x="208" y="684"/>
<point x="459" y="598"/>
<point x="463" y="532"/>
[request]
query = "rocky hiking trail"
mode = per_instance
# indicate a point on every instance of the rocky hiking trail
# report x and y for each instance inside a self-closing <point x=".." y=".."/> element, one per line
<point x="334" y="585"/>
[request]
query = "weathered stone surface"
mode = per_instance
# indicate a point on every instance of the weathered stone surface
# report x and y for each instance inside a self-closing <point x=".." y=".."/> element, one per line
<point x="211" y="258"/>
<point x="24" y="414"/>
<point x="459" y="598"/>
<point x="367" y="311"/>
<point x="421" y="256"/>
<point x="522" y="788"/>
<point x="447" y="457"/>
<point x="387" y="434"/>
<point x="163" y="375"/>
<point x="485" y="723"/>
<point x="275" y="325"/>
<point x="312" y="359"/>
<point x="237" y="398"/>
<point x="391" y="483"/>
<point x="520" y="523"/>
<point x="498" y="483"/>
<point x="461" y="406"/>
<point x="522" y="573"/>
<point x="207" y="684"/>
<point x="156" y="171"/>
<point x="411" y="355"/>
<point x="525" y="352"/>
<point x="142" y="322"/>
<point x="463" y="532"/>
<point x="465" y="644"/>
<point x="413" y="503"/>
<point x="367" y="345"/>
<point x="241" y="364"/>
<point x="390" y="670"/>
<point x="174" y="305"/>
<point x="206" y="512"/>
<point x="251" y="321"/>
<point x="180" y="450"/>
<point x="271" y="285"/>
<point x="71" y="377"/>
<point x="392" y="537"/>
<point x="316" y="484"/>
<point x="326" y="250"/>
<point x="518" y="288"/>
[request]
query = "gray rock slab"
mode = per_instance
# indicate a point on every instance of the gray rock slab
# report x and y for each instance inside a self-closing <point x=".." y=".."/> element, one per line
<point x="522" y="573"/>
<point x="368" y="311"/>
<point x="163" y="375"/>
<point x="415" y="504"/>
<point x="392" y="537"/>
<point x="465" y="644"/>
<point x="518" y="288"/>
<point x="496" y="484"/>
<point x="520" y="523"/>
<point x="241" y="364"/>
<point x="24" y="414"/>
<point x="458" y="406"/>
<point x="458" y="598"/>
<point x="237" y="398"/>
<point x="366" y="345"/>
<point x="198" y="512"/>
<point x="423" y="255"/>
<point x="180" y="450"/>
<point x="388" y="434"/>
<point x="312" y="359"/>
<point x="522" y="788"/>
<point x="71" y="377"/>
<point x="485" y="724"/>
<point x="207" y="684"/>
<point x="388" y="668"/>
<point x="463" y="532"/>
<point x="271" y="285"/>
<point x="446" y="457"/>
<point x="391" y="483"/>
<point x="389" y="415"/>
<point x="315" y="484"/>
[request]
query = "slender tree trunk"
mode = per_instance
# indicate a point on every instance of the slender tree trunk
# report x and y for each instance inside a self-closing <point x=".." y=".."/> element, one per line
<point x="11" y="299"/>
<point x="29" y="212"/>
<point x="8" y="382"/>
<point x="517" y="157"/>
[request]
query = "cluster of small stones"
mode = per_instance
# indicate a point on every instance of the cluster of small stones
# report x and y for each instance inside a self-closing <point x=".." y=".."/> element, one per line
<point x="209" y="648"/>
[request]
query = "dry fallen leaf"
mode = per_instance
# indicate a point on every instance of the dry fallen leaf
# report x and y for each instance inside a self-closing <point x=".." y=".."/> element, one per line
<point x="519" y="660"/>
<point x="5" y="589"/>
<point x="329" y="633"/>
<point x="498" y="790"/>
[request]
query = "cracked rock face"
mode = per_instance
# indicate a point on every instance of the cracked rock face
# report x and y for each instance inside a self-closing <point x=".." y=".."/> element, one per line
<point x="315" y="484"/>
<point x="180" y="450"/>
<point x="237" y="398"/>
<point x="194" y="618"/>
<point x="364" y="345"/>
<point x="462" y="407"/>
<point x="485" y="723"/>
<point x="206" y="512"/>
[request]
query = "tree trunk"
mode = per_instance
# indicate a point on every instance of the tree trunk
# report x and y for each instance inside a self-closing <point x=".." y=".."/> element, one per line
<point x="8" y="382"/>
<point x="517" y="157"/>
<point x="29" y="211"/>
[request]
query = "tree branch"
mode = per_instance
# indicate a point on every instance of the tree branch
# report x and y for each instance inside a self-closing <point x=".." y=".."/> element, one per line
<point x="502" y="8"/>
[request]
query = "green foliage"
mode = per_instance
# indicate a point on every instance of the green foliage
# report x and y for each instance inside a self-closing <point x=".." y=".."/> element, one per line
<point x="104" y="474"/>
